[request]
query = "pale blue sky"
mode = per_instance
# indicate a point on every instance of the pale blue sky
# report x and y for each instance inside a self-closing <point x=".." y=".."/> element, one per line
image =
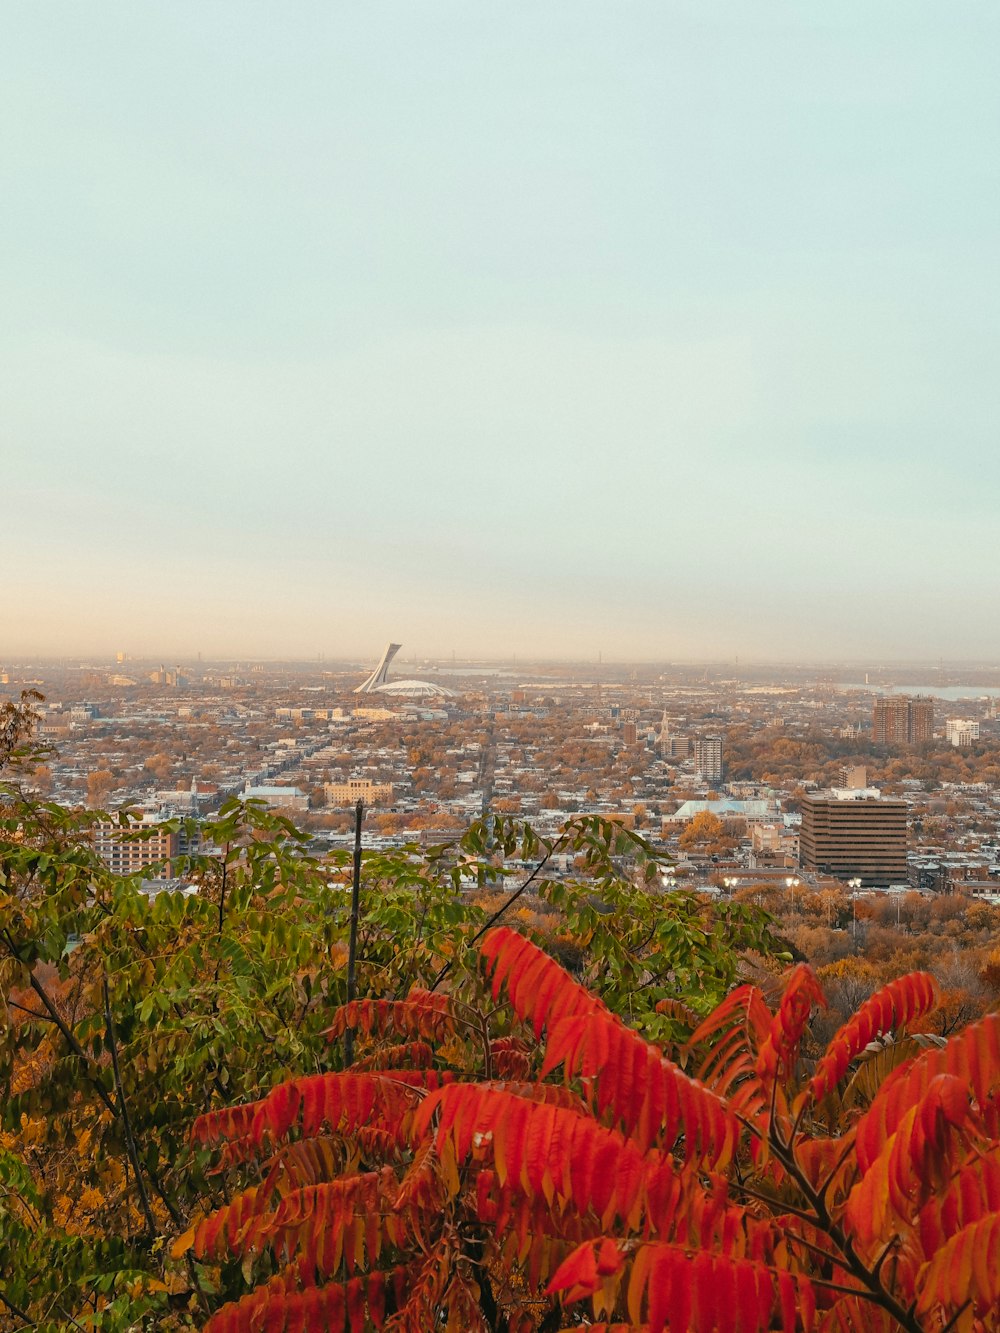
<point x="652" y="328"/>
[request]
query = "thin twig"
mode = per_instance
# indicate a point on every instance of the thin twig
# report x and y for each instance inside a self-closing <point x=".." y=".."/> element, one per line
<point x="502" y="908"/>
<point x="133" y="1152"/>
<point x="42" y="1018"/>
<point x="956" y="1317"/>
<point x="352" y="947"/>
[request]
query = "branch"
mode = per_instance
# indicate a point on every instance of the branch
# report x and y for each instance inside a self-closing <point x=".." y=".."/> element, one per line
<point x="42" y="1018"/>
<point x="71" y="1041"/>
<point x="832" y="1175"/>
<point x="133" y="1153"/>
<point x="871" y="1281"/>
<point x="352" y="946"/>
<point x="66" y="1033"/>
<point x="502" y="908"/>
<point x="956" y="1317"/>
<point x="16" y="1310"/>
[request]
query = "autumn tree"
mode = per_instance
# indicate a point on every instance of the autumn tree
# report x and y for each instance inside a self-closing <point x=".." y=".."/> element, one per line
<point x="100" y="785"/>
<point x="705" y="832"/>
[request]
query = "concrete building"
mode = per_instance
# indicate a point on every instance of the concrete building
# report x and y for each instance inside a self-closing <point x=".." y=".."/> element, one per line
<point x="773" y="844"/>
<point x="358" y="789"/>
<point x="853" y="777"/>
<point x="708" y="758"/>
<point x="128" y="853"/>
<point x="900" y="720"/>
<point x="854" y="835"/>
<point x="174" y="678"/>
<point x="961" y="732"/>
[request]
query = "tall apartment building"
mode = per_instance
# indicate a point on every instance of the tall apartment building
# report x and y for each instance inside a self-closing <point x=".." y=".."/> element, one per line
<point x="900" y="720"/>
<point x="708" y="757"/>
<point x="854" y="834"/>
<point x="853" y="777"/>
<point x="128" y="854"/>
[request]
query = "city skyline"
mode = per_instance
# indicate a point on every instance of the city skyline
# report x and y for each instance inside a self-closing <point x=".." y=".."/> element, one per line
<point x="661" y="333"/>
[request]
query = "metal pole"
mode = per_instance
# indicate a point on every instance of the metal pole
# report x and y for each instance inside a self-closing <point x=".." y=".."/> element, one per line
<point x="352" y="948"/>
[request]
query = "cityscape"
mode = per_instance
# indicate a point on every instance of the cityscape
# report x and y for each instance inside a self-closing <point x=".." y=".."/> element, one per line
<point x="794" y="773"/>
<point x="499" y="667"/>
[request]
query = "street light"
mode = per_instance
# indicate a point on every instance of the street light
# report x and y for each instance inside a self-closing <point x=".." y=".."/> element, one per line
<point x="792" y="881"/>
<point x="854" y="885"/>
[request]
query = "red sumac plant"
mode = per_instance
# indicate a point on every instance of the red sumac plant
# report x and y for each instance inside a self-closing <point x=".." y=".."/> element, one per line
<point x="542" y="1166"/>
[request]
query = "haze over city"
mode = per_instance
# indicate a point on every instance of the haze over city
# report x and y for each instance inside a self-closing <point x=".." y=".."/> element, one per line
<point x="651" y="331"/>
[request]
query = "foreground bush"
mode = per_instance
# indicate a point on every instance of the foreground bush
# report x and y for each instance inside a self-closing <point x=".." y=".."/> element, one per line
<point x="450" y="1179"/>
<point x="123" y="1017"/>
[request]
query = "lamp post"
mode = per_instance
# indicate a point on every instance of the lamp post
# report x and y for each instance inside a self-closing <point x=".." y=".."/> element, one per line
<point x="854" y="885"/>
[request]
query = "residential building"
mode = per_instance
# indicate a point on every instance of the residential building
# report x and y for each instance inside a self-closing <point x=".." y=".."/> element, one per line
<point x="900" y="720"/>
<point x="358" y="789"/>
<point x="921" y="721"/>
<point x="129" y="851"/>
<point x="853" y="777"/>
<point x="773" y="844"/>
<point x="854" y="835"/>
<point x="708" y="758"/>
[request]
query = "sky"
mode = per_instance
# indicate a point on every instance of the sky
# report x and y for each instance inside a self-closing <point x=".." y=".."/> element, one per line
<point x="654" y="329"/>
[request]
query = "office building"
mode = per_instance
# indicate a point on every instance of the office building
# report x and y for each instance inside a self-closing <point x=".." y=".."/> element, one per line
<point x="854" y="835"/>
<point x="899" y="720"/>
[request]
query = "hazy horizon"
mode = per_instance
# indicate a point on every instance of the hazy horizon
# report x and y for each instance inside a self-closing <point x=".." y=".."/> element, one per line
<point x="663" y="332"/>
<point x="406" y="663"/>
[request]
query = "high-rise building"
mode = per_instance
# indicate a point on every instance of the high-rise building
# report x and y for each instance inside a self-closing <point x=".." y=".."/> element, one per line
<point x="854" y="834"/>
<point x="853" y="777"/>
<point x="899" y="720"/>
<point x="708" y="757"/>
<point x="921" y="720"/>
<point x="127" y="853"/>
<point x="629" y="733"/>
<point x="961" y="732"/>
